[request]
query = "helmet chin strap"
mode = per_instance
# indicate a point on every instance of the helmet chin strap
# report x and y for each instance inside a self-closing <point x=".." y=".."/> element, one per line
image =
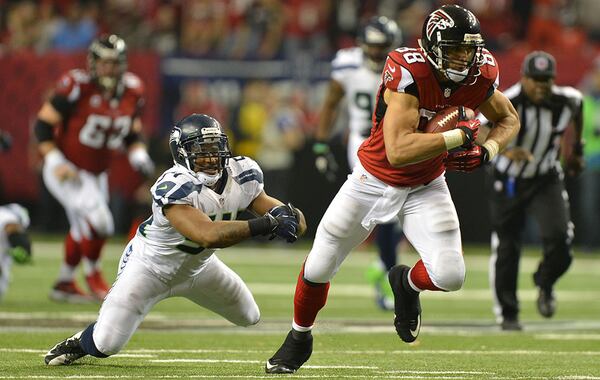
<point x="209" y="179"/>
<point x="456" y="75"/>
<point x="107" y="82"/>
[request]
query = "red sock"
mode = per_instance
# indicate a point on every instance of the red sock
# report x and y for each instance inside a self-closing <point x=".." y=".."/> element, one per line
<point x="420" y="277"/>
<point x="72" y="251"/>
<point x="91" y="248"/>
<point x="308" y="300"/>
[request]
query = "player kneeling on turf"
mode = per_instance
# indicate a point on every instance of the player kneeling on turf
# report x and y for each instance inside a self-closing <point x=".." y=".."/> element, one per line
<point x="195" y="204"/>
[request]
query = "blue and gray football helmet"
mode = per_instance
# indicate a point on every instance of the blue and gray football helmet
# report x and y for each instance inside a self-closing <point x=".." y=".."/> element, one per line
<point x="200" y="136"/>
<point x="377" y="38"/>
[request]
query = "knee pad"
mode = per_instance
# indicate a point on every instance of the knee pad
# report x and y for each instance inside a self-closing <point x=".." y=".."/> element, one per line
<point x="448" y="271"/>
<point x="250" y="318"/>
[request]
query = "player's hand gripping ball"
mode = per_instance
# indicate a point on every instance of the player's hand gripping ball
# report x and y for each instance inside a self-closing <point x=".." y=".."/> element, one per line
<point x="456" y="117"/>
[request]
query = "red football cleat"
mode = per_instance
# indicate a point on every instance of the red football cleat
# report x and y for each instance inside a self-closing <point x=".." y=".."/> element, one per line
<point x="68" y="291"/>
<point x="98" y="286"/>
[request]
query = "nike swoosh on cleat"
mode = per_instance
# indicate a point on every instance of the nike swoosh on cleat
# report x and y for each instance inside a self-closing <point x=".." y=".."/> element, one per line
<point x="270" y="367"/>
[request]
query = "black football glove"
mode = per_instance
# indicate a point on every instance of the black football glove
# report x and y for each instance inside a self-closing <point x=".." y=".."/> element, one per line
<point x="325" y="161"/>
<point x="467" y="160"/>
<point x="469" y="127"/>
<point x="287" y="222"/>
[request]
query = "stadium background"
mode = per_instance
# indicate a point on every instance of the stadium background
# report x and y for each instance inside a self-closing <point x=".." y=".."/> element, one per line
<point x="252" y="64"/>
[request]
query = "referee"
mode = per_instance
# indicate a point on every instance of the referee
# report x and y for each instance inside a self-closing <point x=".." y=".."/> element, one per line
<point x="528" y="178"/>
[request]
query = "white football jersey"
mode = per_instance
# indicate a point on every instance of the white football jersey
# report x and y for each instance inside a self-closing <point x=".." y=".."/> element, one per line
<point x="360" y="85"/>
<point x="166" y="251"/>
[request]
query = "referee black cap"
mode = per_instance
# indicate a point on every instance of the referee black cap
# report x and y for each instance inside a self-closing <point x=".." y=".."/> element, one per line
<point x="539" y="65"/>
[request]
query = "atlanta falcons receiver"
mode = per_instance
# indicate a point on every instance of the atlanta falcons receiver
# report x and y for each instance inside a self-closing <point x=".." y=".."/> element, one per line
<point x="401" y="175"/>
<point x="90" y="114"/>
<point x="194" y="207"/>
<point x="355" y="75"/>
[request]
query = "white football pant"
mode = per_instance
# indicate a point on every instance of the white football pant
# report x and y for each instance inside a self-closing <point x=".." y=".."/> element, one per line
<point x="137" y="289"/>
<point x="85" y="201"/>
<point x="426" y="213"/>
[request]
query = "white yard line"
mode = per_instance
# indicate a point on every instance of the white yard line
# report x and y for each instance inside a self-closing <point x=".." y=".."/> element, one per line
<point x="343" y="352"/>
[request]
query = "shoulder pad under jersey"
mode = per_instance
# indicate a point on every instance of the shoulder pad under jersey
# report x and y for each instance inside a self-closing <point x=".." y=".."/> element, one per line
<point x="244" y="169"/>
<point x="174" y="187"/>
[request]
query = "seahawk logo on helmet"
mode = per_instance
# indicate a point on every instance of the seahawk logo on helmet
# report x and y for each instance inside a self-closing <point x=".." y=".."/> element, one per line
<point x="198" y="143"/>
<point x="377" y="37"/>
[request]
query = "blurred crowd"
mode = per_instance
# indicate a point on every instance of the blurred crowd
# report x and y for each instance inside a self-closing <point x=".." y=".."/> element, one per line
<point x="271" y="120"/>
<point x="266" y="29"/>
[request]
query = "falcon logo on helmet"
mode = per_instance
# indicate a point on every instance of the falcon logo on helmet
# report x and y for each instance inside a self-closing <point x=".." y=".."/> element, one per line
<point x="438" y="20"/>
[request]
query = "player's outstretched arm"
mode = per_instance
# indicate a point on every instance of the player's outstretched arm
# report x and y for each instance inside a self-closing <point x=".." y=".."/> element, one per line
<point x="263" y="203"/>
<point x="198" y="227"/>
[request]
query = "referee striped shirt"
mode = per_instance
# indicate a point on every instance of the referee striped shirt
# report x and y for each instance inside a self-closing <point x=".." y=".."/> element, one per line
<point x="542" y="126"/>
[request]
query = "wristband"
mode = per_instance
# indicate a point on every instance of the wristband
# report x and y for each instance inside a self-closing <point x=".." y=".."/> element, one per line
<point x="260" y="226"/>
<point x="453" y="138"/>
<point x="492" y="147"/>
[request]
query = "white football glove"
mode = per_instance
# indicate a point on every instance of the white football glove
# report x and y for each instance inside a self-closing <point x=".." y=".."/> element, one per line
<point x="141" y="161"/>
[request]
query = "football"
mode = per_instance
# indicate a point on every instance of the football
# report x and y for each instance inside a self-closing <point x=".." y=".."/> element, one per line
<point x="445" y="120"/>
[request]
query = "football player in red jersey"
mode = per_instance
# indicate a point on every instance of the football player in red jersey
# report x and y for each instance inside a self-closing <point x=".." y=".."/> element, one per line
<point x="401" y="175"/>
<point x="89" y="114"/>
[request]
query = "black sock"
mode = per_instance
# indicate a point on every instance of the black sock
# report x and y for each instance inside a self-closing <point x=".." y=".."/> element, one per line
<point x="301" y="335"/>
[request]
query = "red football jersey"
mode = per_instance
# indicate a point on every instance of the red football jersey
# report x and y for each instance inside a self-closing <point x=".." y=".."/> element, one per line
<point x="406" y="67"/>
<point x="93" y="126"/>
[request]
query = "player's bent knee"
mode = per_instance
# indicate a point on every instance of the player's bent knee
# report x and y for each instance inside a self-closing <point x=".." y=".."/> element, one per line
<point x="449" y="272"/>
<point x="247" y="319"/>
<point x="102" y="221"/>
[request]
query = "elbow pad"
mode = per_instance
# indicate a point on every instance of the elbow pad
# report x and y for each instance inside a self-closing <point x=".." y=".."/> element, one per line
<point x="20" y="247"/>
<point x="43" y="131"/>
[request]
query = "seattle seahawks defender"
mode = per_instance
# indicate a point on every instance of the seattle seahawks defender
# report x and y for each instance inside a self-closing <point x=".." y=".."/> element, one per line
<point x="14" y="241"/>
<point x="194" y="207"/>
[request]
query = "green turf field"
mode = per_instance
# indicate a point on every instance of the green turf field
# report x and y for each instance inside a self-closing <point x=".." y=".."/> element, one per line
<point x="353" y="339"/>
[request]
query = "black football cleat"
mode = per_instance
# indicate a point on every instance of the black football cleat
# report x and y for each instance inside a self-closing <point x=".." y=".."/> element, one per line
<point x="407" y="307"/>
<point x="511" y="324"/>
<point x="291" y="355"/>
<point x="65" y="352"/>
<point x="546" y="303"/>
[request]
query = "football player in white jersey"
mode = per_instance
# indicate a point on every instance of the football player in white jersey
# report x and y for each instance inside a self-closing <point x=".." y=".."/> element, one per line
<point x="356" y="75"/>
<point x="14" y="241"/>
<point x="195" y="204"/>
